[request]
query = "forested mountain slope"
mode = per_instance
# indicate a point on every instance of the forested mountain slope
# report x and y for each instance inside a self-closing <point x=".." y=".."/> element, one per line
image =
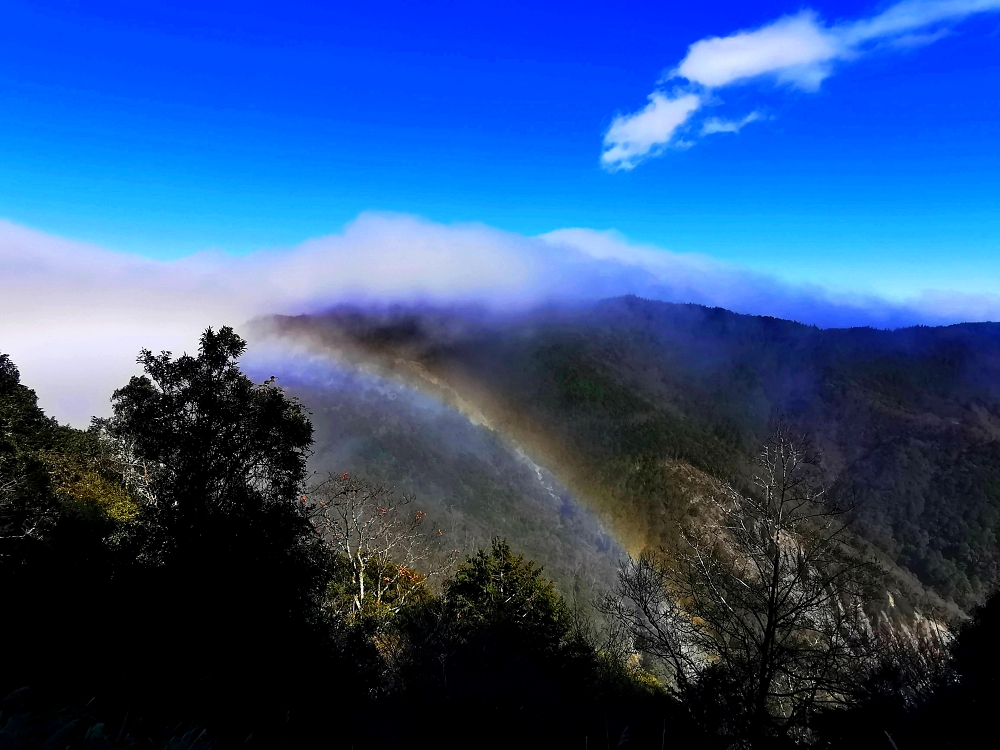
<point x="175" y="578"/>
<point x="634" y="403"/>
<point x="470" y="482"/>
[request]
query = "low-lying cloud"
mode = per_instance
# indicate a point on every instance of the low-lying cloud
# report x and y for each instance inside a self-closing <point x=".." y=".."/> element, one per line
<point x="799" y="50"/>
<point x="73" y="316"/>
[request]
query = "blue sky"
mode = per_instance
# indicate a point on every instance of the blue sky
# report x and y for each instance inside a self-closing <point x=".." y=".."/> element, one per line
<point x="168" y="128"/>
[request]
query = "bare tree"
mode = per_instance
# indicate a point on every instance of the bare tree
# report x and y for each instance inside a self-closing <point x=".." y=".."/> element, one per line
<point x="767" y="594"/>
<point x="645" y="606"/>
<point x="380" y="536"/>
<point x="138" y="475"/>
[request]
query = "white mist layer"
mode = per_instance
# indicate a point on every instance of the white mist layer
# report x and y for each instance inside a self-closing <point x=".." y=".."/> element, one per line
<point x="73" y="316"/>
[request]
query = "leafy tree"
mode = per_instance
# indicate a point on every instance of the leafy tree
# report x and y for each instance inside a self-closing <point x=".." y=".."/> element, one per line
<point x="503" y="646"/>
<point x="225" y="567"/>
<point x="54" y="563"/>
<point x="178" y="577"/>
<point x="27" y="506"/>
<point x="499" y="591"/>
<point x="210" y="443"/>
<point x="500" y="633"/>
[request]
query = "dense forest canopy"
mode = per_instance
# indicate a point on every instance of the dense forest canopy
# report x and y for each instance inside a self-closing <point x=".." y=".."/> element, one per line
<point x="175" y="577"/>
<point x="626" y="397"/>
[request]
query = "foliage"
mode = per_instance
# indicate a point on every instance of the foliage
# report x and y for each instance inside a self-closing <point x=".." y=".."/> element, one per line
<point x="498" y="589"/>
<point x="615" y="393"/>
<point x="204" y="602"/>
<point x="501" y="644"/>
<point x="210" y="442"/>
<point x="27" y="507"/>
<point x="88" y="474"/>
<point x="177" y="547"/>
<point x="162" y="571"/>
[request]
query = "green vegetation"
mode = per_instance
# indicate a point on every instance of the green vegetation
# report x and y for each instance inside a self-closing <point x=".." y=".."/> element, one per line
<point x="637" y="404"/>
<point x="166" y="570"/>
<point x="469" y="481"/>
<point x="171" y="579"/>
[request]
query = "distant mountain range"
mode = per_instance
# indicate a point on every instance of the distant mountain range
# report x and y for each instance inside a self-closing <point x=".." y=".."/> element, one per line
<point x="634" y="407"/>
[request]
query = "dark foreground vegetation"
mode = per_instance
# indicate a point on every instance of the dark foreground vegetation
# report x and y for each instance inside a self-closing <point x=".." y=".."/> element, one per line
<point x="173" y="578"/>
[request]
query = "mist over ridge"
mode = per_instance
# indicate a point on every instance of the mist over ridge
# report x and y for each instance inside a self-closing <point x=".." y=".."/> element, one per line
<point x="62" y="300"/>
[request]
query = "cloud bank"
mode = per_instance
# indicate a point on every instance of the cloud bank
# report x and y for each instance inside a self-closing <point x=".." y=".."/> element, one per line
<point x="74" y="316"/>
<point x="800" y="50"/>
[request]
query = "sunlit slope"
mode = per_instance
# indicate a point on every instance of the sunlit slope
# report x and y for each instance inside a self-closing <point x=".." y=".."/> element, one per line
<point x="634" y="404"/>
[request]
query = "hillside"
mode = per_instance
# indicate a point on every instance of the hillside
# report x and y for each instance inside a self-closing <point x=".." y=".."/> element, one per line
<point x="176" y="577"/>
<point x="631" y="403"/>
<point x="472" y="484"/>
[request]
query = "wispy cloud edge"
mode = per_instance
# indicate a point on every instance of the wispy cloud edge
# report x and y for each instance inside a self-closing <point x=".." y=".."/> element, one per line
<point x="798" y="50"/>
<point x="73" y="316"/>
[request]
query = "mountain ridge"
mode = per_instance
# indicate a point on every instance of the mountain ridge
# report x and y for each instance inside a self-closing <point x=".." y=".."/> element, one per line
<point x="614" y="396"/>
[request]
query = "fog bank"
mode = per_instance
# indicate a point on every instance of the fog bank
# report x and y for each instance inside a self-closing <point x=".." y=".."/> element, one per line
<point x="73" y="316"/>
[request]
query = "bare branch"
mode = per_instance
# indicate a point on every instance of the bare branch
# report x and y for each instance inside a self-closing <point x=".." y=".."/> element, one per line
<point x="381" y="537"/>
<point x="766" y="591"/>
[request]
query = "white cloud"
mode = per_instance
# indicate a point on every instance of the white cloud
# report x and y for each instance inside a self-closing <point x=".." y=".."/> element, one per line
<point x="797" y="47"/>
<point x="800" y="50"/>
<point x="631" y="138"/>
<point x="909" y="16"/>
<point x="73" y="316"/>
<point x="910" y="41"/>
<point x="717" y="125"/>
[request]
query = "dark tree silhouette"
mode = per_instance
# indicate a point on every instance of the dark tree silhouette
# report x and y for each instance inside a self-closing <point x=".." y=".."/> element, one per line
<point x="763" y="602"/>
<point x="208" y="441"/>
<point x="225" y="571"/>
<point x="26" y="504"/>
